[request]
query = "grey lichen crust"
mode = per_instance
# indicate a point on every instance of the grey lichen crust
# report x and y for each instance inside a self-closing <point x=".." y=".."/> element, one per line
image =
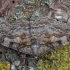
<point x="37" y="27"/>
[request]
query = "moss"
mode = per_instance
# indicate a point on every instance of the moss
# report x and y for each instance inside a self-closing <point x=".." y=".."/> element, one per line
<point x="4" y="66"/>
<point x="58" y="59"/>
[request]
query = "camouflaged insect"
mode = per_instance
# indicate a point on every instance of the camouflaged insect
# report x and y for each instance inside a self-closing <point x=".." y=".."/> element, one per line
<point x="41" y="27"/>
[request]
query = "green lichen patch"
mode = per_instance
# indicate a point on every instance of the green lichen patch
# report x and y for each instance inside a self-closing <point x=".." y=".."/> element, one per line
<point x="4" y="66"/>
<point x="58" y="59"/>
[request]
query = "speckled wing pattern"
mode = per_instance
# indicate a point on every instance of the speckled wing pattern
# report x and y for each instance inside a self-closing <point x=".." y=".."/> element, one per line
<point x="35" y="37"/>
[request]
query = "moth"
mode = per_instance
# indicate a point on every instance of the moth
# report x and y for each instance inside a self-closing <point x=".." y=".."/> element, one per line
<point x="34" y="37"/>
